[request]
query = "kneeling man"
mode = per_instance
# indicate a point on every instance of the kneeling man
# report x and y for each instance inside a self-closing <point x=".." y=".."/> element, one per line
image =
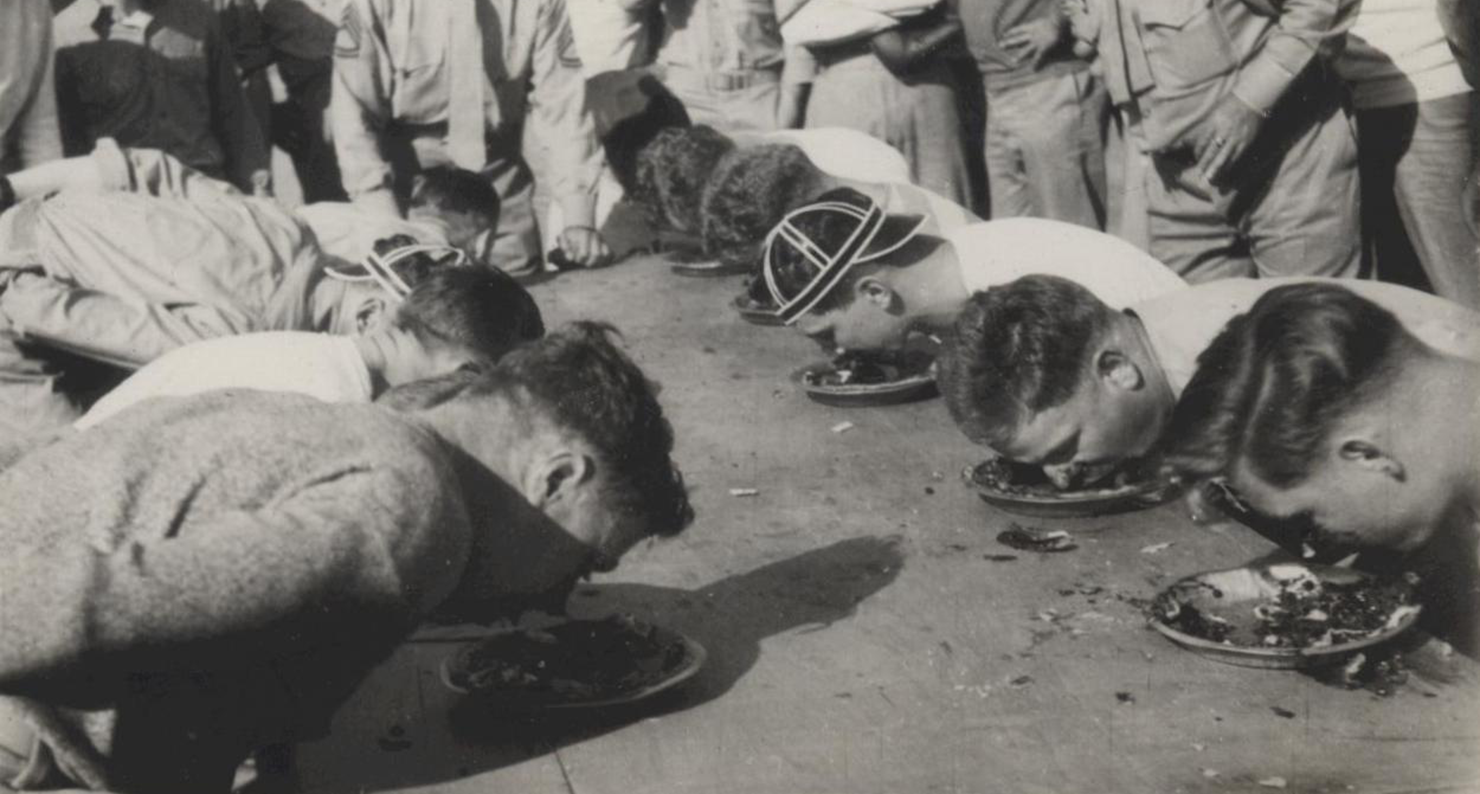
<point x="165" y="614"/>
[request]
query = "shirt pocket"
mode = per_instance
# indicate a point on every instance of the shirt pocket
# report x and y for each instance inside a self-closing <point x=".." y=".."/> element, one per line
<point x="1186" y="42"/>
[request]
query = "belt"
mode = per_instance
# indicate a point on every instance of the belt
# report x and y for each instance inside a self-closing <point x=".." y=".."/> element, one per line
<point x="834" y="54"/>
<point x="726" y="80"/>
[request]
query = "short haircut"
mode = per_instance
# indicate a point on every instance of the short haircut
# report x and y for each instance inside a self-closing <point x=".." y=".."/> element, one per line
<point x="1271" y="388"/>
<point x="750" y="192"/>
<point x="1019" y="349"/>
<point x="449" y="189"/>
<point x="671" y="174"/>
<point x="627" y="139"/>
<point x="578" y="377"/>
<point x="479" y="308"/>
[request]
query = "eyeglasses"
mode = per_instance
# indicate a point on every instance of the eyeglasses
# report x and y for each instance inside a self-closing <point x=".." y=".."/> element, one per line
<point x="382" y="271"/>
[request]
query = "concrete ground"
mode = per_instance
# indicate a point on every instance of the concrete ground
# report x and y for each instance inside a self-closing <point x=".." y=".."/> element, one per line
<point x="861" y="639"/>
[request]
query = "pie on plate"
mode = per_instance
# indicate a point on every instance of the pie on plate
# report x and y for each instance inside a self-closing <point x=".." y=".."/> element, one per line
<point x="575" y="664"/>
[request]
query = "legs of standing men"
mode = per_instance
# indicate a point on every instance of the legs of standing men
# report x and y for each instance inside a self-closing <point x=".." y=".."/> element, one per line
<point x="301" y="128"/>
<point x="1294" y="211"/>
<point x="1416" y="162"/>
<point x="741" y="102"/>
<point x="921" y="118"/>
<point x="1045" y="149"/>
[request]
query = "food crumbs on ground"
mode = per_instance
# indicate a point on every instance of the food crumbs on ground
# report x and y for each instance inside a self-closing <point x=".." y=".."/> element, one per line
<point x="1024" y="538"/>
<point x="1125" y="697"/>
<point x="929" y="491"/>
<point x="1199" y="747"/>
<point x="1286" y="713"/>
<point x="1022" y="680"/>
<point x="744" y="492"/>
<point x="1210" y="773"/>
<point x="999" y="557"/>
<point x="1273" y="782"/>
<point x="842" y="427"/>
<point x="1156" y="548"/>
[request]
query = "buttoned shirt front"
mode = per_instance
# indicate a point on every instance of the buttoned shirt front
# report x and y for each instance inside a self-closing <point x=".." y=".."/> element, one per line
<point x="1176" y="60"/>
<point x="160" y="78"/>
<point x="392" y="74"/>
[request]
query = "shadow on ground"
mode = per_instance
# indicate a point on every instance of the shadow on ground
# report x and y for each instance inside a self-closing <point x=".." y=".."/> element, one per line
<point x="730" y="617"/>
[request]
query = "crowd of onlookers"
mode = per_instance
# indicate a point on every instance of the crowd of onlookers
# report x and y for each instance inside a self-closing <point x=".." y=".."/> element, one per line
<point x="1225" y="137"/>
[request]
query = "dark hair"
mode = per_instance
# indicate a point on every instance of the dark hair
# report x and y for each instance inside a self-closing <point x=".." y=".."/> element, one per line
<point x="627" y="139"/>
<point x="1019" y="348"/>
<point x="585" y="384"/>
<point x="750" y="192"/>
<point x="671" y="174"/>
<point x="1271" y="387"/>
<point x="476" y="307"/>
<point x="449" y="189"/>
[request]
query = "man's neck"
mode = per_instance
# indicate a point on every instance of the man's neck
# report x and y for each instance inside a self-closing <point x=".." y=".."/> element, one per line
<point x="1436" y="385"/>
<point x="373" y="350"/>
<point x="1137" y="346"/>
<point x="933" y="290"/>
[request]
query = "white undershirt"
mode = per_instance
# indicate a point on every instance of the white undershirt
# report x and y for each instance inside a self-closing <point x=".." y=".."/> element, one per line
<point x="992" y="253"/>
<point x="327" y="367"/>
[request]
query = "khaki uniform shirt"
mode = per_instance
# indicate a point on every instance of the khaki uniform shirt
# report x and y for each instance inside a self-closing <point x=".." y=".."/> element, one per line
<point x="392" y="73"/>
<point x="162" y="79"/>
<point x="717" y="37"/>
<point x="1176" y="60"/>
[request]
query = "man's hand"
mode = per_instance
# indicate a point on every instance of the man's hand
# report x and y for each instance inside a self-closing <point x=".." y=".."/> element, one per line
<point x="1227" y="138"/>
<point x="1032" y="42"/>
<point x="1081" y="27"/>
<point x="584" y="246"/>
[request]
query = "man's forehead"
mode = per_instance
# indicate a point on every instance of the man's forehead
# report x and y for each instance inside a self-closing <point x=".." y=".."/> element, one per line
<point x="1040" y="432"/>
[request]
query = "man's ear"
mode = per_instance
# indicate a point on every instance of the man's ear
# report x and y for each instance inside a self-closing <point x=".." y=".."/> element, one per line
<point x="875" y="291"/>
<point x="370" y="312"/>
<point x="1364" y="454"/>
<point x="554" y="478"/>
<point x="1116" y="369"/>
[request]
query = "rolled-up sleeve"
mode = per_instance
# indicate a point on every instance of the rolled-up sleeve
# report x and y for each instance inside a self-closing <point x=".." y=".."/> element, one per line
<point x="1303" y="30"/>
<point x="359" y="107"/>
<point x="559" y="99"/>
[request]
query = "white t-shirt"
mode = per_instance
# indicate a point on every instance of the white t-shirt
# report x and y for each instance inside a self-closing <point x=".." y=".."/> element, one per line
<point x="1181" y="326"/>
<point x="993" y="253"/>
<point x="349" y="233"/>
<point x="327" y="367"/>
<point x="1396" y="53"/>
<point x="845" y="153"/>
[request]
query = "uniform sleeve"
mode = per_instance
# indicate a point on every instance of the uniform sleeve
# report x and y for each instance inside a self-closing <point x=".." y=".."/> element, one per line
<point x="367" y="546"/>
<point x="153" y="172"/>
<point x="247" y="156"/>
<point x="559" y="99"/>
<point x="359" y="108"/>
<point x="1304" y="29"/>
<point x="39" y="139"/>
<point x="109" y="327"/>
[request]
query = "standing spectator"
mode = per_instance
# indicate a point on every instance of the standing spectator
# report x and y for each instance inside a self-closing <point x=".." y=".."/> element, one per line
<point x="1045" y="136"/>
<point x="28" y="109"/>
<point x="157" y="75"/>
<point x="301" y="34"/>
<point x="1419" y="128"/>
<point x="722" y="58"/>
<point x="1249" y="154"/>
<point x="884" y="72"/>
<point x="241" y="28"/>
<point x="397" y="65"/>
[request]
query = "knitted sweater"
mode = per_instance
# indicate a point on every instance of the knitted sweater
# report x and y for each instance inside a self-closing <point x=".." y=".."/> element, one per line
<point x="262" y="551"/>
